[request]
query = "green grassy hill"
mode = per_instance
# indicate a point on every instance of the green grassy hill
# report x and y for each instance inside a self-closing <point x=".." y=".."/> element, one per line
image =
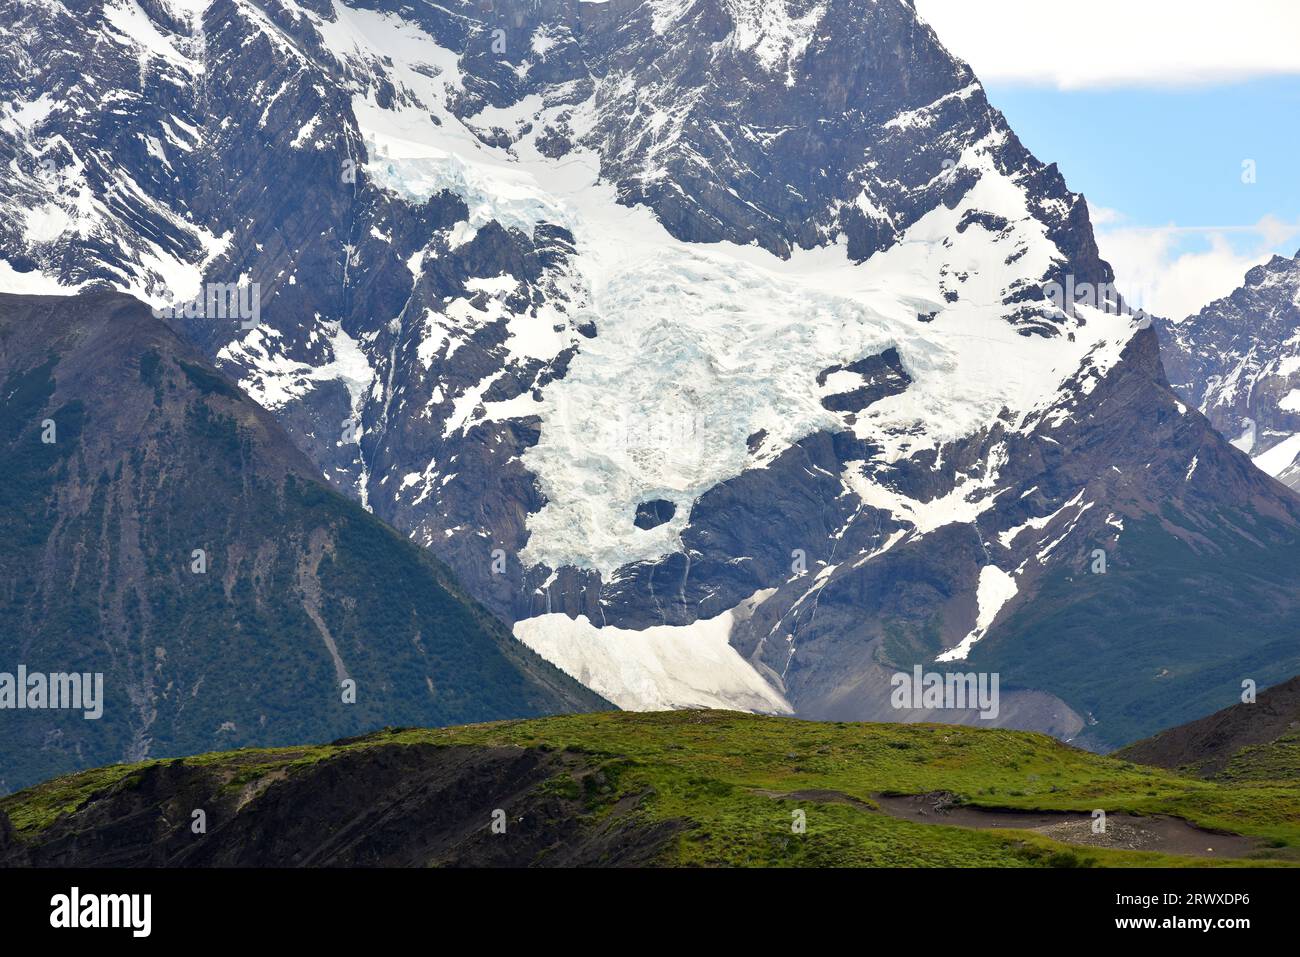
<point x="1259" y="740"/>
<point x="679" y="788"/>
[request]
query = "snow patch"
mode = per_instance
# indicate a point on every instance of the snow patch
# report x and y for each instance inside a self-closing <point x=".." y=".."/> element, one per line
<point x="994" y="590"/>
<point x="1290" y="402"/>
<point x="766" y="28"/>
<point x="659" y="668"/>
<point x="1276" y="459"/>
<point x="1009" y="536"/>
<point x="1246" y="441"/>
<point x="33" y="283"/>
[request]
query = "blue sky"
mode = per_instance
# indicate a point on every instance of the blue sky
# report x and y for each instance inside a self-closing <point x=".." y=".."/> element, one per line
<point x="1165" y="171"/>
<point x="1169" y="155"/>
<point x="1150" y="108"/>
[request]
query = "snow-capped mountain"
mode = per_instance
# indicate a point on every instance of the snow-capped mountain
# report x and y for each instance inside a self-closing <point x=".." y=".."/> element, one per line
<point x="711" y="342"/>
<point x="1238" y="360"/>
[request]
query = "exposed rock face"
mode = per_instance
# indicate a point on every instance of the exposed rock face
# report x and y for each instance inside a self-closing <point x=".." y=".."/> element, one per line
<point x="1103" y="479"/>
<point x="171" y="537"/>
<point x="1238" y="361"/>
<point x="777" y="264"/>
<point x="882" y="376"/>
<point x="654" y="513"/>
<point x="436" y="810"/>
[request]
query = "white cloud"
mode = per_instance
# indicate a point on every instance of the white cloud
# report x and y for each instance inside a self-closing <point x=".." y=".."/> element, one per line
<point x="1077" y="44"/>
<point x="1174" y="271"/>
<point x="1104" y="215"/>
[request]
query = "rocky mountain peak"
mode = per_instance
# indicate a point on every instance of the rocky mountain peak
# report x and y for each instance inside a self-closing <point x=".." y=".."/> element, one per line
<point x="736" y="353"/>
<point x="1238" y="360"/>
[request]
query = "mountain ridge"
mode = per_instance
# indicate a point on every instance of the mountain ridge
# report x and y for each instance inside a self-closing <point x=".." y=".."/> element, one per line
<point x="1237" y="361"/>
<point x="170" y="537"/>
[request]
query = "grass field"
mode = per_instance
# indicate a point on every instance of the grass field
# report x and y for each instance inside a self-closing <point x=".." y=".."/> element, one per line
<point x="722" y="776"/>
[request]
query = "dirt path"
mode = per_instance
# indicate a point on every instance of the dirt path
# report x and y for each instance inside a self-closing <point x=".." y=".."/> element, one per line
<point x="1124" y="832"/>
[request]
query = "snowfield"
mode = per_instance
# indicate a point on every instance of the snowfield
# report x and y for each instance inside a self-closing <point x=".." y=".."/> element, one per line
<point x="700" y="347"/>
<point x="658" y="668"/>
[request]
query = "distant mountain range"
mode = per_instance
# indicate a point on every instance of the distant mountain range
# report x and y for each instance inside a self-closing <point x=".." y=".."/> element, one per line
<point x="1238" y="361"/>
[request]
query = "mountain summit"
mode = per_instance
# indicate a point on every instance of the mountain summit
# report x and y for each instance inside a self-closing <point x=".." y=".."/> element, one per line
<point x="1238" y="361"/>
